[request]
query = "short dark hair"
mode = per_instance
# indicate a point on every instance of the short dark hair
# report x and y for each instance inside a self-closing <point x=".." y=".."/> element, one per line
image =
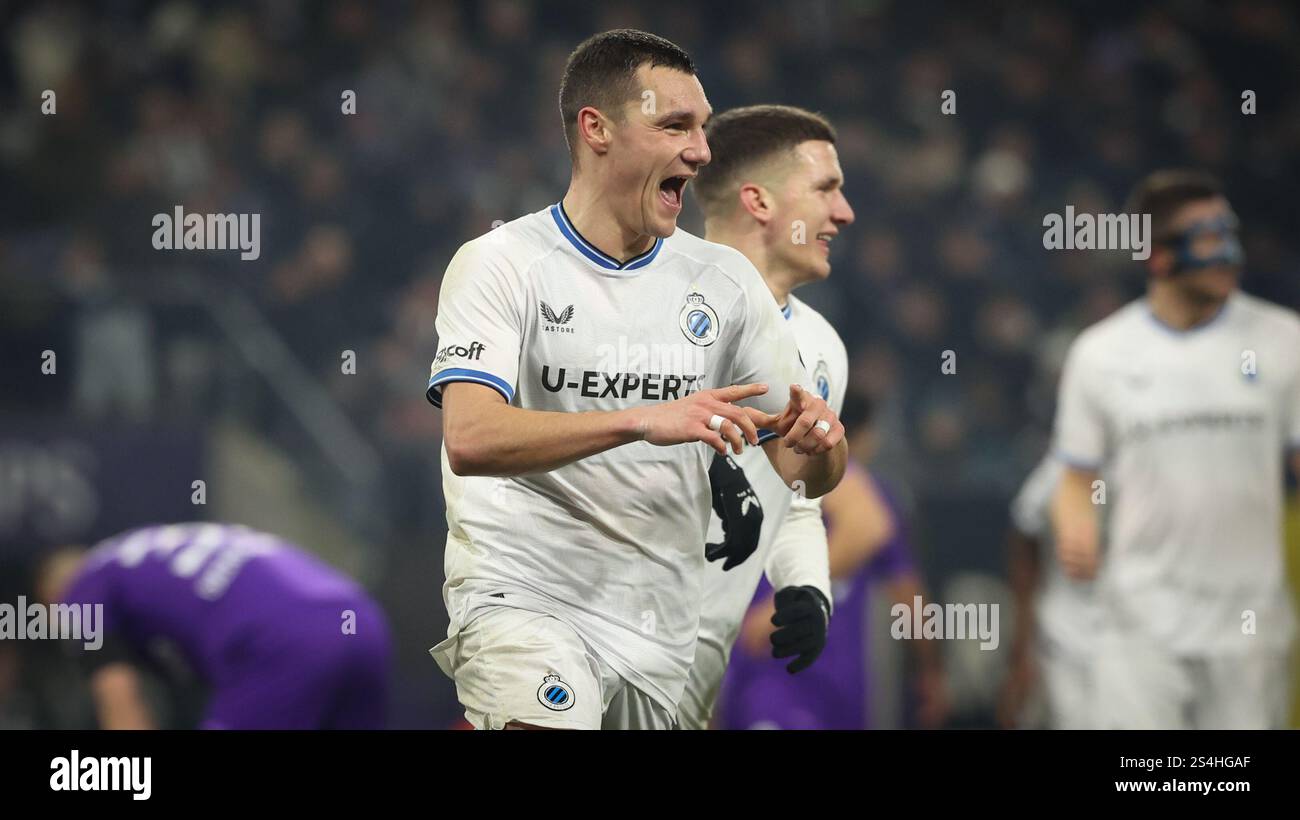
<point x="601" y="72"/>
<point x="741" y="138"/>
<point x="1163" y="193"/>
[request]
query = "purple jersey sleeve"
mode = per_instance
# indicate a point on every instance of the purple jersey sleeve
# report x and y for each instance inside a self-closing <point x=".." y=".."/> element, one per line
<point x="95" y="584"/>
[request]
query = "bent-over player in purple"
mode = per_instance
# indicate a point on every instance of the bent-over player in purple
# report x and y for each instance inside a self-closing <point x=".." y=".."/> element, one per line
<point x="281" y="640"/>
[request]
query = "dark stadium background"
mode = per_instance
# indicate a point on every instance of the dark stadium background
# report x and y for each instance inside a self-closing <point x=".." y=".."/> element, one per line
<point x="175" y="367"/>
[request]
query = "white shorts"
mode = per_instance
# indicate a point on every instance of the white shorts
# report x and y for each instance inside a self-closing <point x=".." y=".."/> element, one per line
<point x="702" y="687"/>
<point x="1141" y="686"/>
<point x="513" y="665"/>
<point x="1067" y="681"/>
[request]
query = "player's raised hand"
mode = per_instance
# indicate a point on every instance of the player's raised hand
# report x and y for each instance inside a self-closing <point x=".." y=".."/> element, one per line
<point x="708" y="416"/>
<point x="807" y="424"/>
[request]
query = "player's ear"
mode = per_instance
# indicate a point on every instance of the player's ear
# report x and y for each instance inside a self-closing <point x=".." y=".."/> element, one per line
<point x="756" y="201"/>
<point x="594" y="130"/>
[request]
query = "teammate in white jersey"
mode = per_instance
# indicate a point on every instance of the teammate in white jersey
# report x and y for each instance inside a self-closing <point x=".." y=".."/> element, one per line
<point x="575" y="345"/>
<point x="1057" y="617"/>
<point x="1182" y="405"/>
<point x="774" y="170"/>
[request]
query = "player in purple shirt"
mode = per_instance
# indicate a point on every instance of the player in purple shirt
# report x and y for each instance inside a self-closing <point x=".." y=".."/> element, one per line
<point x="869" y="542"/>
<point x="281" y="639"/>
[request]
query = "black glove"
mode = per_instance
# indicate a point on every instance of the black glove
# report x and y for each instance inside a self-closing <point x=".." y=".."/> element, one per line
<point x="736" y="504"/>
<point x="802" y="617"/>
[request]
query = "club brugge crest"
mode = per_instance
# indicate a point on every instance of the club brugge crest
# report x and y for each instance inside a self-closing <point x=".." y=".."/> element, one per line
<point x="555" y="694"/>
<point x="822" y="379"/>
<point x="699" y="321"/>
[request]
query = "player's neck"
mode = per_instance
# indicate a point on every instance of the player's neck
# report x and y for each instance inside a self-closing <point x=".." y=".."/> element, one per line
<point x="1177" y="310"/>
<point x="780" y="281"/>
<point x="593" y="214"/>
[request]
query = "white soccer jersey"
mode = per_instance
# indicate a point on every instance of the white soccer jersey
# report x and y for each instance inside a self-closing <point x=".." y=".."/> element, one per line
<point x="800" y="561"/>
<point x="1188" y="431"/>
<point x="1066" y="609"/>
<point x="609" y="544"/>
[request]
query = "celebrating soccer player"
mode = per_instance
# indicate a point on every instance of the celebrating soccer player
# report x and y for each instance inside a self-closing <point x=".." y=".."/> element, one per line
<point x="591" y="360"/>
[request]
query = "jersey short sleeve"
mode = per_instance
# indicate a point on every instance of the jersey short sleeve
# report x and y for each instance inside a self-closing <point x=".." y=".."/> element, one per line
<point x="767" y="351"/>
<point x="1080" y="434"/>
<point x="840" y="381"/>
<point x="479" y="322"/>
<point x="93" y="586"/>
<point x="1030" y="509"/>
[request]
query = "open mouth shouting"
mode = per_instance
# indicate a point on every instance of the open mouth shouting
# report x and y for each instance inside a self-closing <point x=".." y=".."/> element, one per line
<point x="672" y="190"/>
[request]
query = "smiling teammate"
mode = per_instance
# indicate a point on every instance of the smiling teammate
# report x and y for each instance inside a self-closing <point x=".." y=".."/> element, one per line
<point x="773" y="192"/>
<point x="575" y="479"/>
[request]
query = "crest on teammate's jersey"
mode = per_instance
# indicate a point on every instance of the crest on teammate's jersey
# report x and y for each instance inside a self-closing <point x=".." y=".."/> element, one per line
<point x="822" y="380"/>
<point x="699" y="322"/>
<point x="555" y="694"/>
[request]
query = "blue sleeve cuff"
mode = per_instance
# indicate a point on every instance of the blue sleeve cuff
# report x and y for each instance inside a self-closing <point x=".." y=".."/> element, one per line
<point x="463" y="374"/>
<point x="1076" y="462"/>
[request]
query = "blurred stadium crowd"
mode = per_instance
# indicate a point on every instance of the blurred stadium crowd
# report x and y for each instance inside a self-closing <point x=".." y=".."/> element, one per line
<point x="237" y="108"/>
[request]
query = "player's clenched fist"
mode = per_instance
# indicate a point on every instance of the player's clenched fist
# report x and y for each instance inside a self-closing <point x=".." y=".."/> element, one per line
<point x="807" y="424"/>
<point x="708" y="416"/>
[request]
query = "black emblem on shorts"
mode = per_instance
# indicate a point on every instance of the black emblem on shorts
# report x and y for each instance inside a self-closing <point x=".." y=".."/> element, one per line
<point x="555" y="694"/>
